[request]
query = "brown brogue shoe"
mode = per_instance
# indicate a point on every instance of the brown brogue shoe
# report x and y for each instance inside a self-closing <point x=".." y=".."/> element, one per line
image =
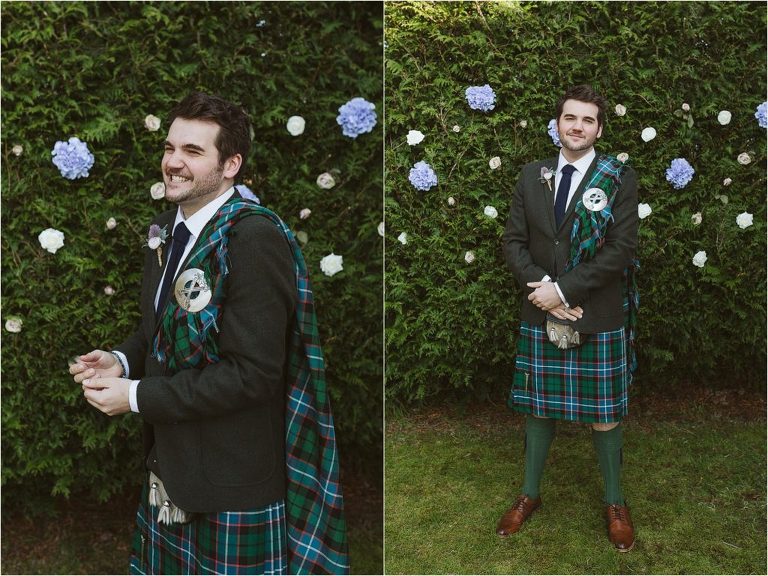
<point x="621" y="532"/>
<point x="513" y="518"/>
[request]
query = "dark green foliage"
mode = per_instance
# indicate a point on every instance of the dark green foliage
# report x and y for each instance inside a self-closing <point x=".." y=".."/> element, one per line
<point x="95" y="70"/>
<point x="451" y="327"/>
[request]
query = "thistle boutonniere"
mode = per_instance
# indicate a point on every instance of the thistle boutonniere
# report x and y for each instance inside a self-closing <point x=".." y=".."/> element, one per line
<point x="546" y="176"/>
<point x="155" y="239"/>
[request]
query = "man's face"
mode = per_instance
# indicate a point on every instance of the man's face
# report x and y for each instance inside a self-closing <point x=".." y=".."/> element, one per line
<point x="191" y="170"/>
<point x="577" y="125"/>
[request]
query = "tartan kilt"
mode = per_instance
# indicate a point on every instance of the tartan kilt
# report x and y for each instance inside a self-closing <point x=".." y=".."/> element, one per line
<point x="589" y="383"/>
<point x="250" y="542"/>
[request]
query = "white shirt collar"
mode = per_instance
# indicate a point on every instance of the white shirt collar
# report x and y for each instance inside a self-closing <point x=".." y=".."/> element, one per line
<point x="199" y="219"/>
<point x="582" y="164"/>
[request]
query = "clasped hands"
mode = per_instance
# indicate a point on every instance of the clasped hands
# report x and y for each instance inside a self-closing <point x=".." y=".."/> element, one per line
<point x="545" y="297"/>
<point x="99" y="373"/>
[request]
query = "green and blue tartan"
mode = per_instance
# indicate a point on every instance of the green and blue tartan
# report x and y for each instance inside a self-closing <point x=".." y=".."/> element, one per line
<point x="316" y="528"/>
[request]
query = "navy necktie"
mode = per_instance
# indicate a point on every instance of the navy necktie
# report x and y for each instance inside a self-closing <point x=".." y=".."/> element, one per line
<point x="561" y="200"/>
<point x="180" y="238"/>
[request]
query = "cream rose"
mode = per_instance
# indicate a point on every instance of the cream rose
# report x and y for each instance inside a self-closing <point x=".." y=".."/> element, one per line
<point x="331" y="264"/>
<point x="403" y="238"/>
<point x="744" y="158"/>
<point x="724" y="117"/>
<point x="157" y="191"/>
<point x="648" y="134"/>
<point x="744" y="220"/>
<point x="17" y="150"/>
<point x="727" y="182"/>
<point x="700" y="258"/>
<point x="451" y="201"/>
<point x="111" y="224"/>
<point x="304" y="214"/>
<point x="620" y="110"/>
<point x="13" y="324"/>
<point x="696" y="219"/>
<point x="469" y="257"/>
<point x="456" y="128"/>
<point x="325" y="181"/>
<point x="109" y="291"/>
<point x="51" y="239"/>
<point x="295" y="125"/>
<point x="414" y="137"/>
<point x="644" y="210"/>
<point x="494" y="162"/>
<point x="490" y="211"/>
<point x="380" y="229"/>
<point x="152" y="123"/>
<point x="623" y="157"/>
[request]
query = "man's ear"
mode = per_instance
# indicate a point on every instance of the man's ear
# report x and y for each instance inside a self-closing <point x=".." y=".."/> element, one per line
<point x="599" y="132"/>
<point x="232" y="166"/>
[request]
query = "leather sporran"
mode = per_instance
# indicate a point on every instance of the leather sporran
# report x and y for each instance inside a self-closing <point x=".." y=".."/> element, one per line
<point x="561" y="333"/>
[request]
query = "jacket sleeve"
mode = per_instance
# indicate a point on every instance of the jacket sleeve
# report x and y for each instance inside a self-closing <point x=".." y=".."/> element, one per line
<point x="135" y="350"/>
<point x="615" y="255"/>
<point x="516" y="240"/>
<point x="259" y="304"/>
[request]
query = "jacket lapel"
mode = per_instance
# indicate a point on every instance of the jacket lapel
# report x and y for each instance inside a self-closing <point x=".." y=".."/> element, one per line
<point x="549" y="190"/>
<point x="155" y="272"/>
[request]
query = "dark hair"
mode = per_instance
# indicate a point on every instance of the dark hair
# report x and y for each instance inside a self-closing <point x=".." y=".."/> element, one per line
<point x="235" y="128"/>
<point x="583" y="93"/>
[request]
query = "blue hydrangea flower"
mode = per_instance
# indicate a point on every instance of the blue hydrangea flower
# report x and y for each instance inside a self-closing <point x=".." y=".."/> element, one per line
<point x="356" y="117"/>
<point x="422" y="176"/>
<point x="481" y="98"/>
<point x="761" y="113"/>
<point x="679" y="173"/>
<point x="552" y="131"/>
<point x="73" y="159"/>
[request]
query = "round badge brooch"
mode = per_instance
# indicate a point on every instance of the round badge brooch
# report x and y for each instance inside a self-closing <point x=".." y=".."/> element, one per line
<point x="594" y="199"/>
<point x="192" y="291"/>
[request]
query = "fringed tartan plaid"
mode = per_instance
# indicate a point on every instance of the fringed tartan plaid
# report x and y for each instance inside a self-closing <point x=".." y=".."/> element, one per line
<point x="588" y="383"/>
<point x="588" y="235"/>
<point x="317" y="541"/>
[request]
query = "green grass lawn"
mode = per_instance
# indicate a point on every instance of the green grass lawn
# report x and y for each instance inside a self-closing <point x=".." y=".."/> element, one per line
<point x="694" y="479"/>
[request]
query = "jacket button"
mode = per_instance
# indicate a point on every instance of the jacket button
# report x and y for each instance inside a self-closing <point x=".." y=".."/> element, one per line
<point x="557" y="242"/>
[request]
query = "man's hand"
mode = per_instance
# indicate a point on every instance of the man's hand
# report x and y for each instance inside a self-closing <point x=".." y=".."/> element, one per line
<point x="110" y="395"/>
<point x="564" y="313"/>
<point x="544" y="296"/>
<point x="96" y="364"/>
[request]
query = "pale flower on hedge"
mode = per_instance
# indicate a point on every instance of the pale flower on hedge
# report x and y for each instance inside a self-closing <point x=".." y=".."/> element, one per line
<point x="72" y="158"/>
<point x="331" y="264"/>
<point x="623" y="157"/>
<point x="152" y="123"/>
<point x="17" y="150"/>
<point x="744" y="158"/>
<point x="356" y="117"/>
<point x="469" y="257"/>
<point x="456" y="128"/>
<point x="648" y="134"/>
<point x="111" y="224"/>
<point x="403" y="238"/>
<point x="523" y="123"/>
<point x="727" y="182"/>
<point x="494" y="162"/>
<point x="686" y="107"/>
<point x="295" y="125"/>
<point x="380" y="229"/>
<point x="620" y="110"/>
<point x="157" y="191"/>
<point x="325" y="181"/>
<point x="13" y="324"/>
<point x="109" y="291"/>
<point x="304" y="214"/>
<point x="696" y="219"/>
<point x="51" y="239"/>
<point x="744" y="220"/>
<point x="724" y="117"/>
<point x="644" y="210"/>
<point x="451" y="201"/>
<point x="491" y="212"/>
<point x="414" y="137"/>
<point x="700" y="258"/>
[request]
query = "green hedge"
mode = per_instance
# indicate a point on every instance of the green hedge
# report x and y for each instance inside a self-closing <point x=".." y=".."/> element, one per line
<point x="95" y="70"/>
<point x="451" y="326"/>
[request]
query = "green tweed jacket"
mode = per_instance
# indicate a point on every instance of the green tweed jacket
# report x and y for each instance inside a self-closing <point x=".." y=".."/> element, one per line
<point x="534" y="248"/>
<point x="216" y="436"/>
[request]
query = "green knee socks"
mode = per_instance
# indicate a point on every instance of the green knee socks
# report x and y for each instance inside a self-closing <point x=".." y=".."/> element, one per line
<point x="539" y="433"/>
<point x="608" y="447"/>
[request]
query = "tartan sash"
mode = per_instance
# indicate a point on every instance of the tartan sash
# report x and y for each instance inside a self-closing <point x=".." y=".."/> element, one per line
<point x="317" y="541"/>
<point x="588" y="236"/>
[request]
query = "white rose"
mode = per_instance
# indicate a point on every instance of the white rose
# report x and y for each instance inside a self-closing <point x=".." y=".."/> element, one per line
<point x="304" y="214"/>
<point x="403" y="238"/>
<point x="414" y="137"/>
<point x="152" y="123"/>
<point x="685" y="107"/>
<point x="644" y="210"/>
<point x="154" y="243"/>
<point x="380" y="229"/>
<point x="295" y="125"/>
<point x="727" y="182"/>
<point x="109" y="291"/>
<point x="456" y="128"/>
<point x="744" y="158"/>
<point x="494" y="162"/>
<point x="523" y="123"/>
<point x="157" y="191"/>
<point x="490" y="211"/>
<point x="325" y="181"/>
<point x="623" y="157"/>
<point x="51" y="240"/>
<point x="302" y="237"/>
<point x="451" y="201"/>
<point x="696" y="219"/>
<point x="724" y="117"/>
<point x="331" y="264"/>
<point x="744" y="220"/>
<point x="13" y="324"/>
<point x="648" y="134"/>
<point x="620" y="110"/>
<point x="469" y="257"/>
<point x="111" y="224"/>
<point x="700" y="258"/>
<point x="17" y="149"/>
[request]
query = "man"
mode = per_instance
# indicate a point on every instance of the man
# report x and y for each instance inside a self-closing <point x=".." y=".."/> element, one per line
<point x="226" y="372"/>
<point x="570" y="241"/>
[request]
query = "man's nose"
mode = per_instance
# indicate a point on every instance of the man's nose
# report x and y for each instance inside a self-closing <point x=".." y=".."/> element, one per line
<point x="173" y="160"/>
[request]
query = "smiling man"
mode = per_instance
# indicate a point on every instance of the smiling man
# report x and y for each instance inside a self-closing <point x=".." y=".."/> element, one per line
<point x="570" y="242"/>
<point x="227" y="374"/>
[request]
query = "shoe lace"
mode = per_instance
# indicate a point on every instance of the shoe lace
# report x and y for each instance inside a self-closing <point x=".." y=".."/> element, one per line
<point x="519" y="504"/>
<point x="618" y="512"/>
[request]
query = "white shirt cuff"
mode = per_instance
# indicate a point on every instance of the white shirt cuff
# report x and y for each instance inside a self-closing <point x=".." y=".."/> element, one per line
<point x="124" y="362"/>
<point x="546" y="278"/>
<point x="132" y="396"/>
<point x="560" y="293"/>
